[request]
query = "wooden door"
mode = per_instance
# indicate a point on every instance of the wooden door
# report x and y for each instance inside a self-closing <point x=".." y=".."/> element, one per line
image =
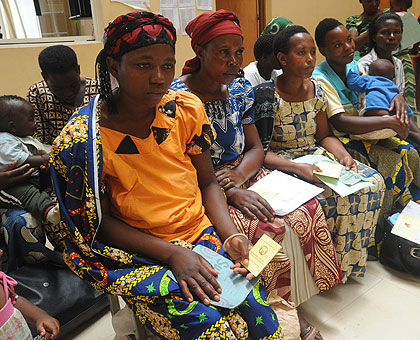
<point x="250" y="19"/>
<point x="384" y="4"/>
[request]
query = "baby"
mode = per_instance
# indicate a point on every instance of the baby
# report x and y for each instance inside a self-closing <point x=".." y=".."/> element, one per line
<point x="379" y="87"/>
<point x="379" y="90"/>
<point x="17" y="146"/>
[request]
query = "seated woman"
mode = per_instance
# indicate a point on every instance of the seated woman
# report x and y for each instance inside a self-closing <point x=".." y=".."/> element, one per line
<point x="291" y="115"/>
<point x="383" y="45"/>
<point x="134" y="180"/>
<point x="358" y="26"/>
<point x="396" y="160"/>
<point x="237" y="156"/>
<point x="400" y="8"/>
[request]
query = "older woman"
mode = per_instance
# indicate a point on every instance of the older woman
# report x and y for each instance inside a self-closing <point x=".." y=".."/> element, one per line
<point x="135" y="183"/>
<point x="237" y="156"/>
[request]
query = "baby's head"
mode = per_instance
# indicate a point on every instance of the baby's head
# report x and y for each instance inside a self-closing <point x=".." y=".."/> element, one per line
<point x="16" y="116"/>
<point x="383" y="68"/>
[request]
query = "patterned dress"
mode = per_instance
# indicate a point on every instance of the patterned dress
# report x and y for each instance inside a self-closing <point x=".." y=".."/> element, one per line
<point x="77" y="169"/>
<point x="288" y="129"/>
<point x="50" y="115"/>
<point x="308" y="222"/>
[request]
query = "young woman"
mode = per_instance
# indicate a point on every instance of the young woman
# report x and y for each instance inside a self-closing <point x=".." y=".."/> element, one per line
<point x="400" y="7"/>
<point x="396" y="160"/>
<point x="297" y="125"/>
<point x="237" y="156"/>
<point x="358" y="26"/>
<point x="385" y="34"/>
<point x="135" y="183"/>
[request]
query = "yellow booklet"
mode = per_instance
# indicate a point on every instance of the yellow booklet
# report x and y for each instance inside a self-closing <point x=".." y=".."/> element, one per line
<point x="329" y="169"/>
<point x="261" y="254"/>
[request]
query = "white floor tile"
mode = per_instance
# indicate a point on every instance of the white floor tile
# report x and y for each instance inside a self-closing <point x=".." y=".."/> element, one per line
<point x="323" y="306"/>
<point x="384" y="312"/>
<point x="404" y="281"/>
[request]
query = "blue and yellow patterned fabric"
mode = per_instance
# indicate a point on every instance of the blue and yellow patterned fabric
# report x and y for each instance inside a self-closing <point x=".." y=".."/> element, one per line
<point x="76" y="166"/>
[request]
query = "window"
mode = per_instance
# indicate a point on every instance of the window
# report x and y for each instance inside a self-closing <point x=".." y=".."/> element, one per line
<point x="40" y="21"/>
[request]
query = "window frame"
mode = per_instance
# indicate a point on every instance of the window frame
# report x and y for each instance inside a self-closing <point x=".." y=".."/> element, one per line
<point x="97" y="21"/>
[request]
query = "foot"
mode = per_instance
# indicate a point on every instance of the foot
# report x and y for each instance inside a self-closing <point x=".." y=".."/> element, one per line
<point x="308" y="331"/>
<point x="53" y="214"/>
<point x="311" y="333"/>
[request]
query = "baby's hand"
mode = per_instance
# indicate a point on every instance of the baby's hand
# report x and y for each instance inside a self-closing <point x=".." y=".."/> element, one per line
<point x="47" y="326"/>
<point x="45" y="159"/>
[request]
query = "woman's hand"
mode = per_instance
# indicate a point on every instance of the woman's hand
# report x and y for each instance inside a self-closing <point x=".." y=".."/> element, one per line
<point x="238" y="249"/>
<point x="349" y="163"/>
<point x="250" y="204"/>
<point x="399" y="128"/>
<point x="228" y="179"/>
<point x="306" y="171"/>
<point x="195" y="275"/>
<point x="400" y="109"/>
<point x="47" y="326"/>
<point x="11" y="176"/>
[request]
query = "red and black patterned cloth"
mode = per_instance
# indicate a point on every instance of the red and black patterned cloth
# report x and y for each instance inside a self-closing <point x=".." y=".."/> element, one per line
<point x="137" y="29"/>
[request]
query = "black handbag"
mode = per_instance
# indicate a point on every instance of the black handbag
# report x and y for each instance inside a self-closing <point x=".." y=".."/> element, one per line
<point x="399" y="253"/>
<point x="62" y="294"/>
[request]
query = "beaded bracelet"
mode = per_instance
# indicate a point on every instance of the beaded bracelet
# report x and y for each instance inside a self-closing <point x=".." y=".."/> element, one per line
<point x="231" y="237"/>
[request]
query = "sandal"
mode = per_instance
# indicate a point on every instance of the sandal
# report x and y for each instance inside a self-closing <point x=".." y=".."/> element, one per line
<point x="310" y="332"/>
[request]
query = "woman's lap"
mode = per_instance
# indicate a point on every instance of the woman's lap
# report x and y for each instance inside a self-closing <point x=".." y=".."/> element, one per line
<point x="352" y="221"/>
<point x="175" y="318"/>
<point x="308" y="223"/>
<point x="399" y="164"/>
<point x="158" y="302"/>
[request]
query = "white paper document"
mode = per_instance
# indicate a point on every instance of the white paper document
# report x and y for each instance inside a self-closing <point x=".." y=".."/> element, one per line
<point x="172" y="15"/>
<point x="205" y="5"/>
<point x="169" y="3"/>
<point x="136" y="4"/>
<point x="411" y="33"/>
<point x="408" y="223"/>
<point x="340" y="188"/>
<point x="185" y="16"/>
<point x="283" y="192"/>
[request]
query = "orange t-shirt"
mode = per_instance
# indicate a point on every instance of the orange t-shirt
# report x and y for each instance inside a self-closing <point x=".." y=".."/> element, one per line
<point x="152" y="182"/>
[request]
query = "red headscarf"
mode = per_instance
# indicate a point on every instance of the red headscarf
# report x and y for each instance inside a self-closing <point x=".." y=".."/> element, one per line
<point x="206" y="27"/>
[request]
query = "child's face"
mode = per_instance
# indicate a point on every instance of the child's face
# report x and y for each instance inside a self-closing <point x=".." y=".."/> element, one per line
<point x="24" y="124"/>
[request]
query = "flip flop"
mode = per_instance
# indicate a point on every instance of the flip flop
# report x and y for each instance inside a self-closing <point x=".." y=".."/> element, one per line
<point x="309" y="333"/>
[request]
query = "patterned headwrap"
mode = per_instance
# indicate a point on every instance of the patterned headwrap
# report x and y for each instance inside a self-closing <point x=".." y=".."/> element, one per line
<point x="127" y="33"/>
<point x="206" y="27"/>
<point x="138" y="29"/>
<point x="276" y="25"/>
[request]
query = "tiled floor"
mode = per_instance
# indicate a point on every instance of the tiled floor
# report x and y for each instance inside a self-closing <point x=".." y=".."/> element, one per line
<point x="384" y="305"/>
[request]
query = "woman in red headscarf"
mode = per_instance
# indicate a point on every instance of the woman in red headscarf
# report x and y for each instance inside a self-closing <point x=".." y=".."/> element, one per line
<point x="237" y="156"/>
